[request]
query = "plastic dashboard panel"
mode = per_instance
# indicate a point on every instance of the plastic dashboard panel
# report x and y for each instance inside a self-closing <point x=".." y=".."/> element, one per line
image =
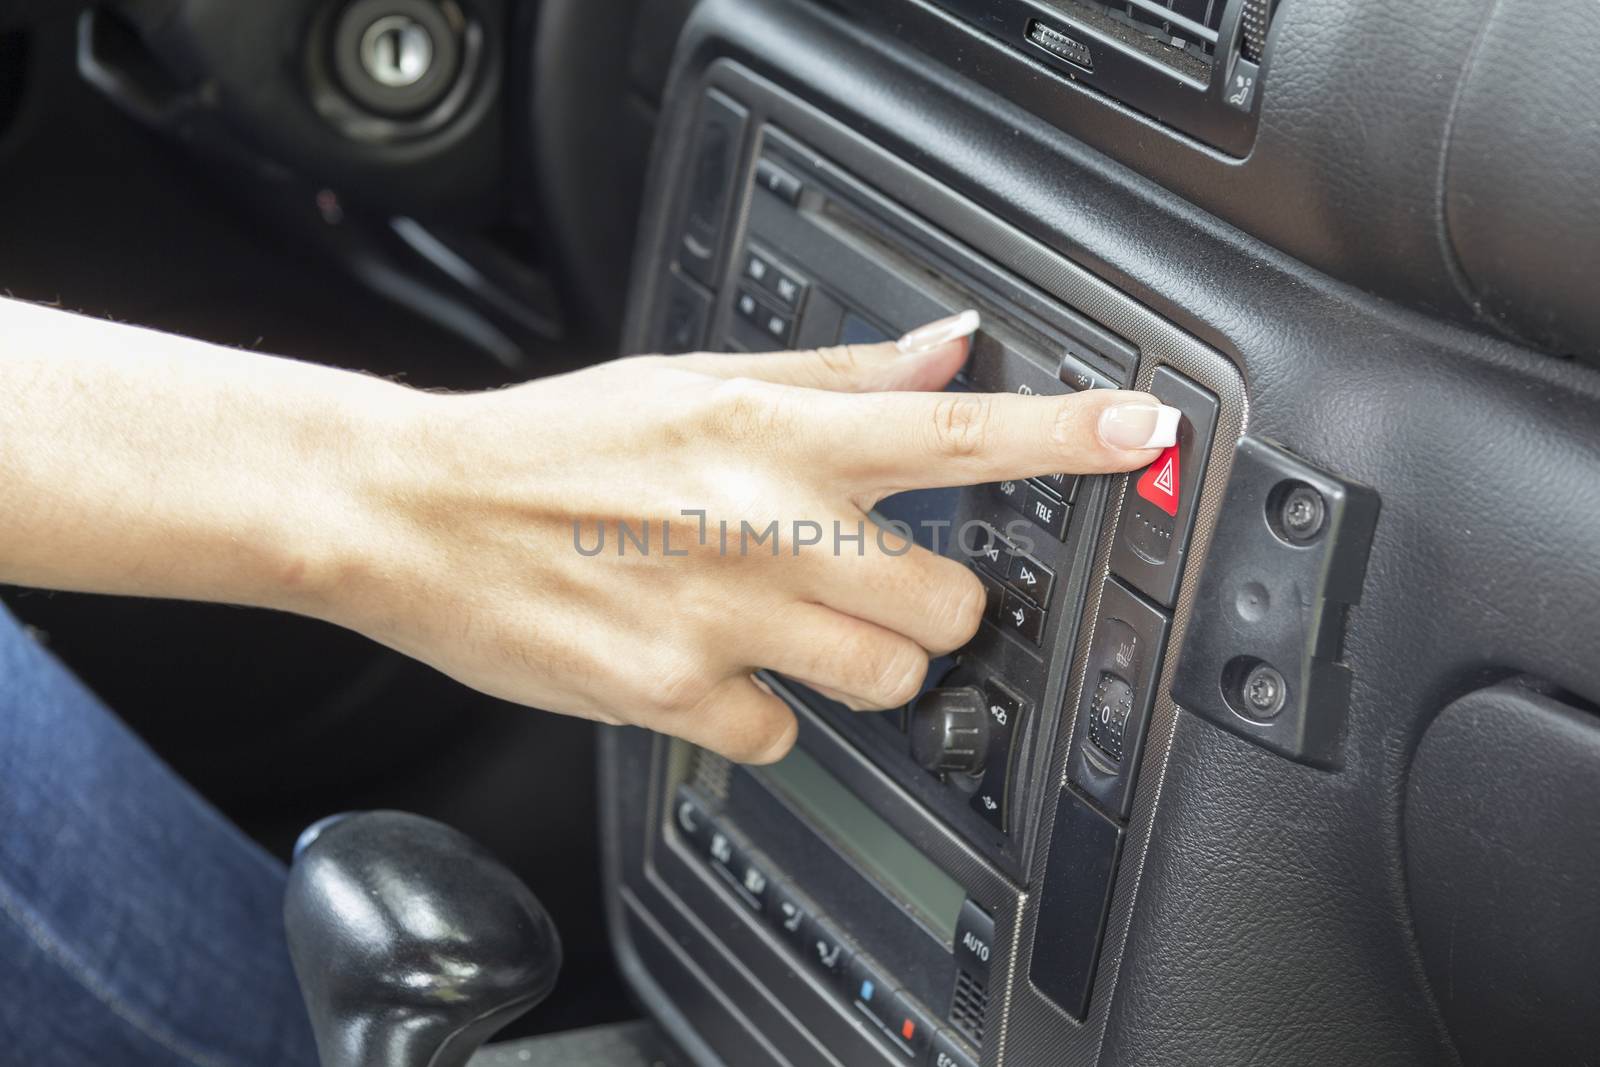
<point x="1271" y="922"/>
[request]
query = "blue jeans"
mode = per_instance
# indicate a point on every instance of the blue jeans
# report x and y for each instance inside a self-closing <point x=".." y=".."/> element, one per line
<point x="137" y="925"/>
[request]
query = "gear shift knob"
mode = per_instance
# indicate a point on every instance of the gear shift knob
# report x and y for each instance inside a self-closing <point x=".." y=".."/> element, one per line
<point x="412" y="944"/>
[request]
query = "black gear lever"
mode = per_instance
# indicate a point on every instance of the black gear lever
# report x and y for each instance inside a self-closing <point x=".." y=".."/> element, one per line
<point x="412" y="944"/>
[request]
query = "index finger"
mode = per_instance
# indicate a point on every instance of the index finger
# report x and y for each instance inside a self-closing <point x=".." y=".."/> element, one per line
<point x="899" y="441"/>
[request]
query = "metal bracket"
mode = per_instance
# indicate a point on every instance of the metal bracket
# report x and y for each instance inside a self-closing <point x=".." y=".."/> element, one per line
<point x="1288" y="558"/>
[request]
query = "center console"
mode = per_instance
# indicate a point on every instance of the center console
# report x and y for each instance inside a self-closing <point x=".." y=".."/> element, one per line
<point x="947" y="883"/>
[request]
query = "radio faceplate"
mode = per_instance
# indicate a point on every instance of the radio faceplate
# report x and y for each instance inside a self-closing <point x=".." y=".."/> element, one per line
<point x="856" y="268"/>
<point x="811" y="254"/>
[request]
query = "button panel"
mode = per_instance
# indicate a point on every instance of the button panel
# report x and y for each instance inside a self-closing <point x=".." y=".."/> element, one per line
<point x="785" y="287"/>
<point x="905" y="1028"/>
<point x="776" y="325"/>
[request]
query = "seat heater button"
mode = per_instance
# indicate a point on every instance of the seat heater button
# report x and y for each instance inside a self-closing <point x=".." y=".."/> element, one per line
<point x="824" y="948"/>
<point x="787" y="915"/>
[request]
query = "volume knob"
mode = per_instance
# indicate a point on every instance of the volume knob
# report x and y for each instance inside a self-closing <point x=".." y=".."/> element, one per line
<point x="950" y="730"/>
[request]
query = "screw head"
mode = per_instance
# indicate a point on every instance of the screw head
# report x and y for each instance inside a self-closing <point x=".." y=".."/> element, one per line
<point x="1302" y="513"/>
<point x="1265" y="691"/>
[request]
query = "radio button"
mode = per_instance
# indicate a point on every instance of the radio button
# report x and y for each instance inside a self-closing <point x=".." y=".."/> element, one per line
<point x="990" y="551"/>
<point x="1022" y="618"/>
<point x="1031" y="578"/>
<point x="778" y="327"/>
<point x="1044" y="509"/>
<point x="788" y="289"/>
<point x="1063" y="487"/>
<point x="777" y="181"/>
<point x="1014" y="493"/>
<point x="1079" y="376"/>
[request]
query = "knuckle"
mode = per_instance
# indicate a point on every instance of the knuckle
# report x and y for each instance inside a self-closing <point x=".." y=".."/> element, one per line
<point x="841" y="361"/>
<point x="905" y="679"/>
<point x="679" y="685"/>
<point x="772" y="743"/>
<point x="742" y="410"/>
<point x="967" y="603"/>
<point x="887" y="674"/>
<point x="1069" y="426"/>
<point x="960" y="425"/>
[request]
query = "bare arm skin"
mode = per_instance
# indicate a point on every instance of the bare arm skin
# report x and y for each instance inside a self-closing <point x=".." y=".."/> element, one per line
<point x="135" y="462"/>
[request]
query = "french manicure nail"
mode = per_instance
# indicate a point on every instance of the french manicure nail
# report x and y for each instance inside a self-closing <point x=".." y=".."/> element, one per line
<point x="1139" y="425"/>
<point x="927" y="338"/>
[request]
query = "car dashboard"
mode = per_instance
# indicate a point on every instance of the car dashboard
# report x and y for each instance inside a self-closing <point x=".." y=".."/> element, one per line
<point x="1119" y="853"/>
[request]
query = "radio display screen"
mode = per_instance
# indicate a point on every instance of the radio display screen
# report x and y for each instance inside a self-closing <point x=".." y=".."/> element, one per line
<point x="877" y="848"/>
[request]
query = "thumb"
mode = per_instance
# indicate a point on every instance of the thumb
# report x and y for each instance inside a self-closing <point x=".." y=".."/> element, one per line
<point x="923" y="360"/>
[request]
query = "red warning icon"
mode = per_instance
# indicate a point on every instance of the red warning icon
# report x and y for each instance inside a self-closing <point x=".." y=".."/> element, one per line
<point x="1159" y="483"/>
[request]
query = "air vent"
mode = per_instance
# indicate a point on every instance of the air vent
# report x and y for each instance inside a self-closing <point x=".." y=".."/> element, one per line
<point x="1181" y="35"/>
<point x="969" y="1006"/>
<point x="1195" y="65"/>
<point x="711" y="774"/>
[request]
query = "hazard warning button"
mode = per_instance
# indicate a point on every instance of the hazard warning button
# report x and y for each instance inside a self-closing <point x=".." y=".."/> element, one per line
<point x="1158" y="514"/>
<point x="1160" y="482"/>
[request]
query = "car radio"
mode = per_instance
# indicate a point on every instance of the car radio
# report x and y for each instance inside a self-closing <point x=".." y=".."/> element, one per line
<point x="906" y="879"/>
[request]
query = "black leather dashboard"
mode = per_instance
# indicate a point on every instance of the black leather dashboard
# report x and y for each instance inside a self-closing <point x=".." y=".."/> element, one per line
<point x="1422" y="152"/>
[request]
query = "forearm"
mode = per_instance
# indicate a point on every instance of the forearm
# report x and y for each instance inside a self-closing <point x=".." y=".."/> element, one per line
<point x="142" y="463"/>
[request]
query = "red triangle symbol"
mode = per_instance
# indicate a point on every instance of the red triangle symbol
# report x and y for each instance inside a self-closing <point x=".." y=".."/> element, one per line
<point x="1159" y="484"/>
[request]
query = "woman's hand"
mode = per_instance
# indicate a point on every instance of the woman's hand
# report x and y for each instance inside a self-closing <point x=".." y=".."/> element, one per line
<point x="477" y="523"/>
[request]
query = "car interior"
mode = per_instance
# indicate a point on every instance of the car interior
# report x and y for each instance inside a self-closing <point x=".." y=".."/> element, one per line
<point x="1283" y="750"/>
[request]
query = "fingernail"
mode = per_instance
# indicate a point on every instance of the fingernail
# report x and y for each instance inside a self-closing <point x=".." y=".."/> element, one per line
<point x="927" y="338"/>
<point x="1139" y="425"/>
